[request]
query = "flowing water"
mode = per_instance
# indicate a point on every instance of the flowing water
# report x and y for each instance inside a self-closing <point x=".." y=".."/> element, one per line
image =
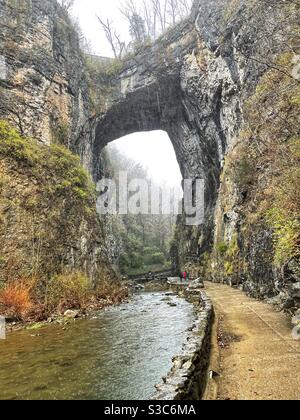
<point x="120" y="354"/>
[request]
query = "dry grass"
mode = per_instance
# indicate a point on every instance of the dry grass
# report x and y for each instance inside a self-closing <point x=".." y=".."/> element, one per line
<point x="68" y="291"/>
<point x="15" y="299"/>
<point x="112" y="291"/>
<point x="34" y="301"/>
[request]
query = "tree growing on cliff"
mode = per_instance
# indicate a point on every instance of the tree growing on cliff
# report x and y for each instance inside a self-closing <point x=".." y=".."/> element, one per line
<point x="147" y="20"/>
<point x="66" y="4"/>
<point x="137" y="29"/>
<point x="117" y="45"/>
<point x="157" y="15"/>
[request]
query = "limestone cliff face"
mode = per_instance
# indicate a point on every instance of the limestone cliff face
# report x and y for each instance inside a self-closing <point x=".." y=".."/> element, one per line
<point x="43" y="88"/>
<point x="48" y="219"/>
<point x="196" y="82"/>
<point x="44" y="94"/>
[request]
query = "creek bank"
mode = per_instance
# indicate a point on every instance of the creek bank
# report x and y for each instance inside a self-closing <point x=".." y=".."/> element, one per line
<point x="68" y="317"/>
<point x="73" y="314"/>
<point x="187" y="378"/>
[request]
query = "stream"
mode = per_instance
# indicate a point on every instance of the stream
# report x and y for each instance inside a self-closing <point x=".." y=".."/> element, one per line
<point x="119" y="354"/>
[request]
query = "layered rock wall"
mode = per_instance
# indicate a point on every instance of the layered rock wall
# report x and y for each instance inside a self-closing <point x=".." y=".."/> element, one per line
<point x="45" y="228"/>
<point x="43" y="87"/>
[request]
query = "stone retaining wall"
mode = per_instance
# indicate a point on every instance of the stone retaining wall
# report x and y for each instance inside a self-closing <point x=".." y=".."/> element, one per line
<point x="187" y="378"/>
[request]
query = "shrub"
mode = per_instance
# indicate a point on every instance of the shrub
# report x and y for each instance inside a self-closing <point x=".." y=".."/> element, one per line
<point x="124" y="263"/>
<point x="32" y="300"/>
<point x="136" y="260"/>
<point x="112" y="292"/>
<point x="15" y="299"/>
<point x="68" y="291"/>
<point x="153" y="256"/>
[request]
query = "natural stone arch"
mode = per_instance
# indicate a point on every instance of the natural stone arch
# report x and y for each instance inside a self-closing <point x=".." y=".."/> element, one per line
<point x="167" y="87"/>
<point x="188" y="84"/>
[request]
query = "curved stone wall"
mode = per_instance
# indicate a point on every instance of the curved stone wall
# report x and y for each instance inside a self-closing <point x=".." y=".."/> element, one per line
<point x="187" y="378"/>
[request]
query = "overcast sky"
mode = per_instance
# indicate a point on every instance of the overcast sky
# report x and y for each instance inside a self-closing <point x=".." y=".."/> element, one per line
<point x="153" y="150"/>
<point x="156" y="153"/>
<point x="87" y="10"/>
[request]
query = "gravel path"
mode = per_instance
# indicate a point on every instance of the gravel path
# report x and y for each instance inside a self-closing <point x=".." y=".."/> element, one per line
<point x="258" y="359"/>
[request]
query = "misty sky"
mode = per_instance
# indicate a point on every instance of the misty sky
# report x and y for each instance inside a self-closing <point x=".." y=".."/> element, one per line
<point x="87" y="10"/>
<point x="153" y="150"/>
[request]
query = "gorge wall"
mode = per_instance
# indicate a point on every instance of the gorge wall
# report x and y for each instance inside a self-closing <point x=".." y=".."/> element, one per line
<point x="222" y="84"/>
<point x="48" y="213"/>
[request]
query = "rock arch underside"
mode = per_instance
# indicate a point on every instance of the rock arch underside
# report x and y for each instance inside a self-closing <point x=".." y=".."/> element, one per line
<point x="195" y="83"/>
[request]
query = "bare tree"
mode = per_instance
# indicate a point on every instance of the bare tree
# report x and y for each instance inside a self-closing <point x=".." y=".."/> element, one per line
<point x="177" y="10"/>
<point x="185" y="7"/>
<point x="66" y="4"/>
<point x="128" y="8"/>
<point x="150" y="18"/>
<point x="172" y="10"/>
<point x="146" y="18"/>
<point x="117" y="45"/>
<point x="158" y="15"/>
<point x="160" y="10"/>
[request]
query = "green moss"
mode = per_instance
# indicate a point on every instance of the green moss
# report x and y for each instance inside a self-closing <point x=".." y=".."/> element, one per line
<point x="285" y="59"/>
<point x="295" y="100"/>
<point x="63" y="168"/>
<point x="229" y="268"/>
<point x="31" y="203"/>
<point x="286" y="235"/>
<point x="233" y="247"/>
<point x="227" y="263"/>
<point x="222" y="248"/>
<point x="36" y="326"/>
<point x="14" y="146"/>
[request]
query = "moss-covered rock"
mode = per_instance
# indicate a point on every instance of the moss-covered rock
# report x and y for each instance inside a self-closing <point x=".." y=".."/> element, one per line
<point x="47" y="210"/>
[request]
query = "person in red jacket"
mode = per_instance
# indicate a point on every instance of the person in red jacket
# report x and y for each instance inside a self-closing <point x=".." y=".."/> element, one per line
<point x="185" y="276"/>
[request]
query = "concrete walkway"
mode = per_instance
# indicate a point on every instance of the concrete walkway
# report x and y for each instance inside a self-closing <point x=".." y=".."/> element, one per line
<point x="257" y="357"/>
